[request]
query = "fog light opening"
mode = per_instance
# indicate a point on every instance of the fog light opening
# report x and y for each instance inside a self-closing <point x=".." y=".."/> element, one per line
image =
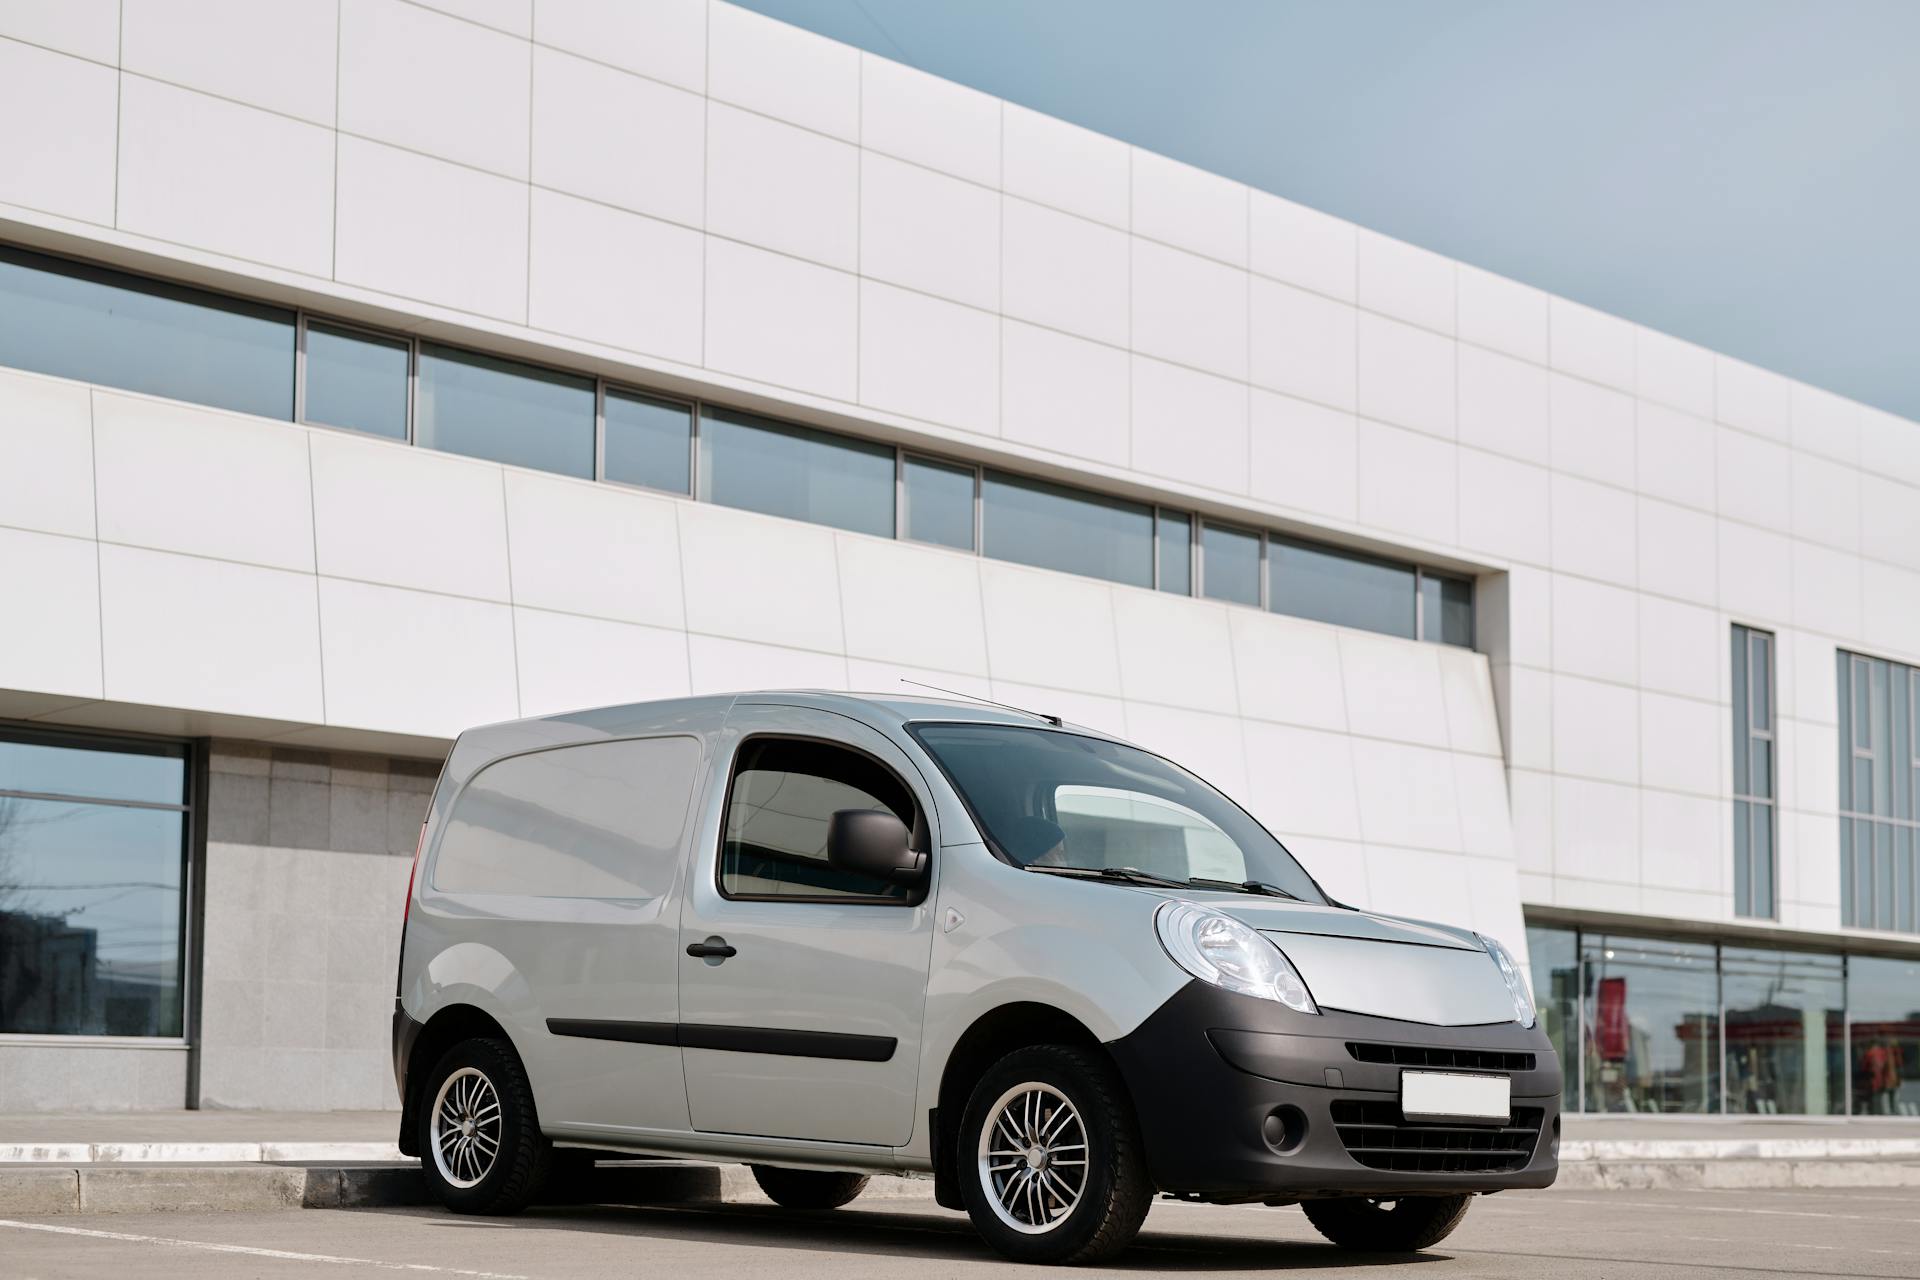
<point x="1285" y="1129"/>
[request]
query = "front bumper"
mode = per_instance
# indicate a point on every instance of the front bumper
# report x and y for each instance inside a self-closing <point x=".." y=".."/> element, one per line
<point x="1210" y="1067"/>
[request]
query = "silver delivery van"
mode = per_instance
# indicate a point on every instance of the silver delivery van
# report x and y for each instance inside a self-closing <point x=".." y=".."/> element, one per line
<point x="829" y="936"/>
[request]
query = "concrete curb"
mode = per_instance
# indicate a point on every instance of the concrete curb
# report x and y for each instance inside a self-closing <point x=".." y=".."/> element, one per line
<point x="1722" y="1174"/>
<point x="1610" y="1149"/>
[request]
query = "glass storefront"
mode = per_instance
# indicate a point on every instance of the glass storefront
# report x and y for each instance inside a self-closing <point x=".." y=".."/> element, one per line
<point x="1652" y="1025"/>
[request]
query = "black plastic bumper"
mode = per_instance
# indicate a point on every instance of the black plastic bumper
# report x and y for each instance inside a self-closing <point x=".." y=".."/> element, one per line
<point x="405" y="1032"/>
<point x="1210" y="1067"/>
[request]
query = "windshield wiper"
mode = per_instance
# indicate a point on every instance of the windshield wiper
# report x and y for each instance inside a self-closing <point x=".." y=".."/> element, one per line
<point x="1246" y="886"/>
<point x="1130" y="875"/>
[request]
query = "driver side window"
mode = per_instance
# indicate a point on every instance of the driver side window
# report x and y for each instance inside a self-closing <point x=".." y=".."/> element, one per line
<point x="783" y="794"/>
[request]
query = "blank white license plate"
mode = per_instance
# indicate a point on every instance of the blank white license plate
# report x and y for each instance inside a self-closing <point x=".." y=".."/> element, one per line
<point x="1439" y="1095"/>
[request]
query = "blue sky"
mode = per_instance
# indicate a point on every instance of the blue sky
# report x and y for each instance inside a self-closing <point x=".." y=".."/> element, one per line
<point x="1741" y="173"/>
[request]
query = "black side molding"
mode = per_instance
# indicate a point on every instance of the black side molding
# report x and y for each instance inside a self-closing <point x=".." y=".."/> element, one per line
<point x="790" y="1044"/>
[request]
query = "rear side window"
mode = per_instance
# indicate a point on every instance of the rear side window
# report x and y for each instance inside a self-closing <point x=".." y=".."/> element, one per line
<point x="600" y="820"/>
<point x="784" y="793"/>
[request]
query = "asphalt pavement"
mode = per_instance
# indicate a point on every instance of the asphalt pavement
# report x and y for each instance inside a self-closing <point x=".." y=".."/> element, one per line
<point x="1694" y="1234"/>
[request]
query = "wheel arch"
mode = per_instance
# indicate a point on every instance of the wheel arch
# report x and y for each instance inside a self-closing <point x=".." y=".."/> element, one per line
<point x="446" y="1028"/>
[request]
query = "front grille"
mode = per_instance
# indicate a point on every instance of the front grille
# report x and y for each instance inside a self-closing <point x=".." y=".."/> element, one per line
<point x="1418" y="1055"/>
<point x="1376" y="1135"/>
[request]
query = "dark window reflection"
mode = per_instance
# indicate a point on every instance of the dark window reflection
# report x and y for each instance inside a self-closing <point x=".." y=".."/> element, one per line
<point x="91" y="893"/>
<point x="759" y="465"/>
<point x="1883" y="1006"/>
<point x="1051" y="527"/>
<point x="504" y="411"/>
<point x="1446" y="609"/>
<point x="1340" y="587"/>
<point x="1229" y="564"/>
<point x="1555" y="965"/>
<point x="357" y="380"/>
<point x="95" y="325"/>
<point x="1785" y="1034"/>
<point x="1176" y="552"/>
<point x="1651" y="1014"/>
<point x="649" y="442"/>
<point x="939" y="503"/>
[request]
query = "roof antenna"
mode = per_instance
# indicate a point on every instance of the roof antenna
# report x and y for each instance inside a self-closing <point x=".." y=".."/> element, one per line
<point x="1055" y="721"/>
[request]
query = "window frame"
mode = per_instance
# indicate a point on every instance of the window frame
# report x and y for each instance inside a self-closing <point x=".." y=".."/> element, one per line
<point x="1861" y="906"/>
<point x="604" y="387"/>
<point x="919" y="828"/>
<point x="1748" y="638"/>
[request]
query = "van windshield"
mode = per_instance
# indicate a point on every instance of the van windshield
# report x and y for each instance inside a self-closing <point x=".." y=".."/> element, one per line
<point x="1052" y="801"/>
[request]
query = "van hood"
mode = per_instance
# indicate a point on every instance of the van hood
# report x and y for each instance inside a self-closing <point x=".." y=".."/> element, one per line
<point x="1383" y="966"/>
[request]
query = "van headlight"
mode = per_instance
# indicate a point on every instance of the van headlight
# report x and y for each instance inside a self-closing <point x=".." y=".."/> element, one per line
<point x="1219" y="949"/>
<point x="1523" y="1012"/>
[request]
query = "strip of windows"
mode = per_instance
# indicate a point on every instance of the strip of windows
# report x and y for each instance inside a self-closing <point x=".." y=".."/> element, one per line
<point x="1879" y="793"/>
<point x="97" y="325"/>
<point x="1755" y="771"/>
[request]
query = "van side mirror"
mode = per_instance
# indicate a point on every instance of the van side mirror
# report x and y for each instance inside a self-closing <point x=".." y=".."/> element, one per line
<point x="874" y="844"/>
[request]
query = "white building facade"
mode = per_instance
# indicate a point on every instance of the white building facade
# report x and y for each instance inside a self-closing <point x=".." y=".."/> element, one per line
<point x="370" y="369"/>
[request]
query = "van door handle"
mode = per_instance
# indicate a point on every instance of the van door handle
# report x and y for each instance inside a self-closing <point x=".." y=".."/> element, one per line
<point x="714" y="948"/>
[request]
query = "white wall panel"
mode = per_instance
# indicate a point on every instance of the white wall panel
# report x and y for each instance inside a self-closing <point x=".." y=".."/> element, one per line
<point x="905" y="112"/>
<point x="54" y="646"/>
<point x="515" y="17"/>
<point x="1190" y="426"/>
<point x="1592" y="344"/>
<point x="767" y="66"/>
<point x="408" y="517"/>
<point x="1302" y="246"/>
<point x="782" y="187"/>
<point x="1529" y="742"/>
<point x="1674" y="455"/>
<point x="1504" y="405"/>
<point x="1676" y="551"/>
<point x="665" y="40"/>
<point x="906" y="604"/>
<point x="426" y="229"/>
<point x="1190" y="208"/>
<point x="283" y="57"/>
<point x="439" y="664"/>
<point x="1064" y="271"/>
<point x="1414" y="882"/>
<point x="594" y="549"/>
<point x="1466" y="686"/>
<point x="1826" y="589"/>
<point x="618" y="138"/>
<point x="1889" y="446"/>
<point x="1680" y="746"/>
<point x="1680" y="842"/>
<point x="1486" y="827"/>
<point x="1302" y="781"/>
<point x="429" y="82"/>
<point x="1303" y="455"/>
<point x="46" y="455"/>
<point x="615" y="277"/>
<point x="1407" y="795"/>
<point x="155" y="486"/>
<point x="1751" y="399"/>
<point x="1502" y="314"/>
<point x="1593" y="430"/>
<point x="780" y="320"/>
<point x="1301" y="344"/>
<point x="1593" y="530"/>
<point x="1826" y="502"/>
<point x="69" y="170"/>
<point x="238" y="639"/>
<point x="928" y="358"/>
<point x="1406" y="375"/>
<point x="1055" y="163"/>
<point x="1174" y="652"/>
<point x="83" y="28"/>
<point x="1595" y="730"/>
<point x="1755" y="569"/>
<point x="1596" y="830"/>
<point x="1393" y="689"/>
<point x="1594" y="629"/>
<point x="1755" y="480"/>
<point x="1505" y="507"/>
<point x="1208" y="745"/>
<point x="1288" y="670"/>
<point x="1064" y="393"/>
<point x="1825" y="423"/>
<point x="760" y="578"/>
<point x="1890" y="520"/>
<point x="237" y="180"/>
<point x="1680" y="648"/>
<point x="1406" y="282"/>
<point x="1404" y="482"/>
<point x="565" y="662"/>
<point x="1670" y="372"/>
<point x="1189" y="310"/>
<point x="1050" y="631"/>
<point x="720" y="665"/>
<point x="927" y="231"/>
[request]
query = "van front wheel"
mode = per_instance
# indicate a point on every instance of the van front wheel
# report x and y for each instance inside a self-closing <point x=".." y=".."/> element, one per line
<point x="1050" y="1159"/>
<point x="808" y="1188"/>
<point x="1406" y="1225"/>
<point x="480" y="1142"/>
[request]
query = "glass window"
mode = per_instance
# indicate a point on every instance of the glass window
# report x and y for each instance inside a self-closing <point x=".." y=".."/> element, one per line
<point x="504" y="411"/>
<point x="649" y="442"/>
<point x="1229" y="564"/>
<point x="1785" y="1038"/>
<point x="1176" y="552"/>
<point x="939" y="502"/>
<point x="96" y="325"/>
<point x="1883" y="1006"/>
<point x="1340" y="587"/>
<point x="1446" y="609"/>
<point x="1052" y="799"/>
<point x="357" y="380"/>
<point x="1050" y="527"/>
<point x="1555" y="969"/>
<point x="92" y="874"/>
<point x="784" y="793"/>
<point x="1651" y="1019"/>
<point x="1879" y="793"/>
<point x="761" y="465"/>
<point x="1753" y="774"/>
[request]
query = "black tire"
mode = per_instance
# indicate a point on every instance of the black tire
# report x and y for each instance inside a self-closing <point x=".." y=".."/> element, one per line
<point x="518" y="1167"/>
<point x="1116" y="1192"/>
<point x="1406" y="1225"/>
<point x="808" y="1188"/>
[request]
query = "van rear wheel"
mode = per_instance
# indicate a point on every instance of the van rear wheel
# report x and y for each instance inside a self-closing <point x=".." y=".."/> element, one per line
<point x="1406" y="1225"/>
<point x="808" y="1188"/>
<point x="1051" y="1164"/>
<point x="480" y="1141"/>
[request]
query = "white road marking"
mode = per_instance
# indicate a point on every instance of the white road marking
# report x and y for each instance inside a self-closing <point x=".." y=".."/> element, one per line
<point x="1720" y="1208"/>
<point x="284" y="1254"/>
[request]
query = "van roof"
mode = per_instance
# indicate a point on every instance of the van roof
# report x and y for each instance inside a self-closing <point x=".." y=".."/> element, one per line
<point x="880" y="709"/>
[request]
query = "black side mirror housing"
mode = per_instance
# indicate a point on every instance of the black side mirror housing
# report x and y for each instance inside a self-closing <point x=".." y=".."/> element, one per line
<point x="877" y="844"/>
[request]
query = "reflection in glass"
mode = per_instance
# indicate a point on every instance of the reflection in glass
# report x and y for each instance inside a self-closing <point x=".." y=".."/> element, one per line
<point x="1340" y="587"/>
<point x="1446" y="609"/>
<point x="357" y="380"/>
<point x="1879" y="793"/>
<point x="1051" y="527"/>
<point x="504" y="411"/>
<point x="1883" y="1008"/>
<point x="649" y="442"/>
<point x="760" y="465"/>
<point x="1176" y="552"/>
<point x="95" y="325"/>
<point x="939" y="503"/>
<point x="156" y="777"/>
<point x="1555" y="970"/>
<point x="1785" y="1040"/>
<point x="1229" y="564"/>
<point x="1651" y="1013"/>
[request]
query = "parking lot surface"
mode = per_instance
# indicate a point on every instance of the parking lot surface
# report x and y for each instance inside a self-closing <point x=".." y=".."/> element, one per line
<point x="1696" y="1234"/>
